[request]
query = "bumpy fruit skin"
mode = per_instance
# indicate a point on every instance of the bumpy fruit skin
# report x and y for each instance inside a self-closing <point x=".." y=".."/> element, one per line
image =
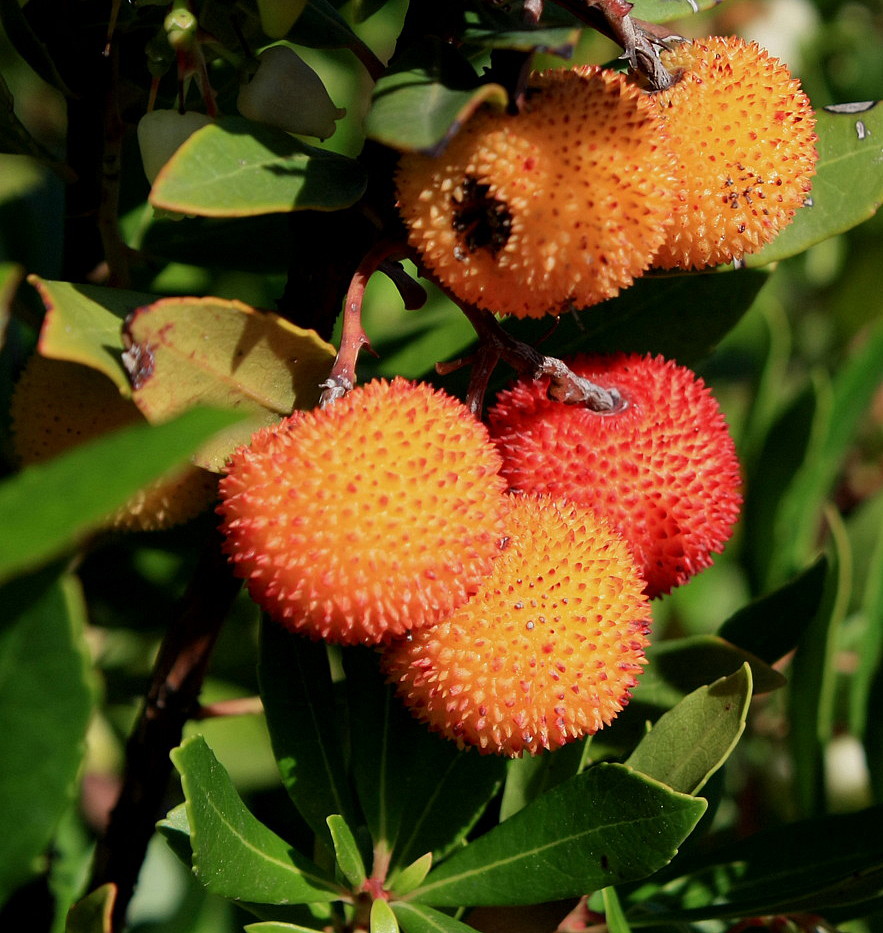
<point x="743" y="132"/>
<point x="548" y="649"/>
<point x="58" y="405"/>
<point x="663" y="470"/>
<point x="378" y="514"/>
<point x="563" y="204"/>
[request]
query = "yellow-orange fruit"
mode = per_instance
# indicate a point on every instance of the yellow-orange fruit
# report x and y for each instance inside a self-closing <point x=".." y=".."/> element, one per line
<point x="743" y="132"/>
<point x="561" y="205"/>
<point x="58" y="405"/>
<point x="548" y="649"/>
<point x="663" y="470"/>
<point x="373" y="516"/>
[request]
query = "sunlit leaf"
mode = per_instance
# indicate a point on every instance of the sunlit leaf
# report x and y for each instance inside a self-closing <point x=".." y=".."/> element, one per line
<point x="84" y="324"/>
<point x="569" y="841"/>
<point x="614" y="917"/>
<point x="237" y="168"/>
<point x="346" y="851"/>
<point x="47" y="692"/>
<point x="661" y="11"/>
<point x="848" y="186"/>
<point x="49" y="507"/>
<point x="382" y="919"/>
<point x="690" y="742"/>
<point x="209" y="351"/>
<point x="234" y="855"/>
<point x="417" y="918"/>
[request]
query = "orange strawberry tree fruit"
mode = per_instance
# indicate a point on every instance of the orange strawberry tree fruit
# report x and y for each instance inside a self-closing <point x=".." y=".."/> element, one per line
<point x="442" y="483"/>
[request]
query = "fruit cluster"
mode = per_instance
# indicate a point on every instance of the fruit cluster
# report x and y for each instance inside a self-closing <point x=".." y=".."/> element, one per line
<point x="595" y="181"/>
<point x="504" y="573"/>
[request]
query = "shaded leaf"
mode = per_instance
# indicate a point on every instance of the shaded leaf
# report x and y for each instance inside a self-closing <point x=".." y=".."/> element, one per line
<point x="94" y="913"/>
<point x="804" y="867"/>
<point x="848" y="186"/>
<point x="49" y="507"/>
<point x="277" y="926"/>
<point x="532" y="775"/>
<point x="425" y="97"/>
<point x="84" y="324"/>
<point x="690" y="742"/>
<point x="234" y="855"/>
<point x="571" y="840"/>
<point x="210" y="351"/>
<point x="47" y="693"/>
<point x="862" y="712"/>
<point x="614" y="917"/>
<point x="304" y="726"/>
<point x="419" y="792"/>
<point x="771" y="626"/>
<point x="175" y="829"/>
<point x="10" y="278"/>
<point x="346" y="851"/>
<point x="237" y="168"/>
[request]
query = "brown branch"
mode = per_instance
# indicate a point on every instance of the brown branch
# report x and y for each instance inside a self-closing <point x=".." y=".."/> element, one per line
<point x="353" y="337"/>
<point x="171" y="700"/>
<point x="237" y="706"/>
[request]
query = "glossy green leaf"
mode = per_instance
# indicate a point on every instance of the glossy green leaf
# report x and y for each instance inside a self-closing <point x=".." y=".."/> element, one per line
<point x="234" y="855"/>
<point x="94" y="913"/>
<point x="346" y="851"/>
<point x="382" y="919"/>
<point x="417" y="918"/>
<point x="690" y="742"/>
<point x="614" y="917"/>
<point x="810" y="866"/>
<point x="771" y="626"/>
<point x="304" y="726"/>
<point x="532" y="775"/>
<point x="685" y="664"/>
<point x="322" y="27"/>
<point x="419" y="792"/>
<point x="47" y="693"/>
<point x="210" y="351"/>
<point x="681" y="317"/>
<point x="661" y="11"/>
<point x="425" y="97"/>
<point x="46" y="509"/>
<point x="569" y="841"/>
<point x="411" y="876"/>
<point x="852" y="390"/>
<point x="813" y="676"/>
<point x="236" y="168"/>
<point x="84" y="324"/>
<point x="848" y="186"/>
<point x="175" y="829"/>
<point x="277" y="926"/>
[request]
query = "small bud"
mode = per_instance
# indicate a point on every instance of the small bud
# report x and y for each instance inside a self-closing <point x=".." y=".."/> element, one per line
<point x="287" y="93"/>
<point x="161" y="133"/>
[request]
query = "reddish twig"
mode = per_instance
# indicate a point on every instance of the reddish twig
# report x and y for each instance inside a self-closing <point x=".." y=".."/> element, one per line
<point x="171" y="700"/>
<point x="238" y="706"/>
<point x="353" y="337"/>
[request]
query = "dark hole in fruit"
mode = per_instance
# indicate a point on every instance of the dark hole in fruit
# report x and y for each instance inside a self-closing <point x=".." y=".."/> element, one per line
<point x="482" y="221"/>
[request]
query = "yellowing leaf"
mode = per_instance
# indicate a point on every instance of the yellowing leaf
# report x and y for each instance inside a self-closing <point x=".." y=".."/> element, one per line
<point x="211" y="351"/>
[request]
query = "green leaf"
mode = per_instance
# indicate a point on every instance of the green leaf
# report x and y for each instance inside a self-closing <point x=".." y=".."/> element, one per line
<point x="304" y="725"/>
<point x="416" y="918"/>
<point x="810" y="866"/>
<point x="425" y="97"/>
<point x="382" y="919"/>
<point x="236" y="168"/>
<point x="862" y="712"/>
<point x="346" y="851"/>
<point x="771" y="626"/>
<point x="613" y="913"/>
<point x="532" y="775"/>
<point x="175" y="829"/>
<point x="320" y="26"/>
<point x="211" y="351"/>
<point x="812" y="693"/>
<point x="853" y="388"/>
<point x="84" y="324"/>
<point x="277" y="926"/>
<point x="607" y="825"/>
<point x="848" y="186"/>
<point x="419" y="792"/>
<point x="501" y="27"/>
<point x="690" y="742"/>
<point x="685" y="664"/>
<point x="94" y="913"/>
<point x="47" y="693"/>
<point x="234" y="855"/>
<point x="661" y="11"/>
<point x="46" y="509"/>
<point x="10" y="278"/>
<point x="409" y="877"/>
